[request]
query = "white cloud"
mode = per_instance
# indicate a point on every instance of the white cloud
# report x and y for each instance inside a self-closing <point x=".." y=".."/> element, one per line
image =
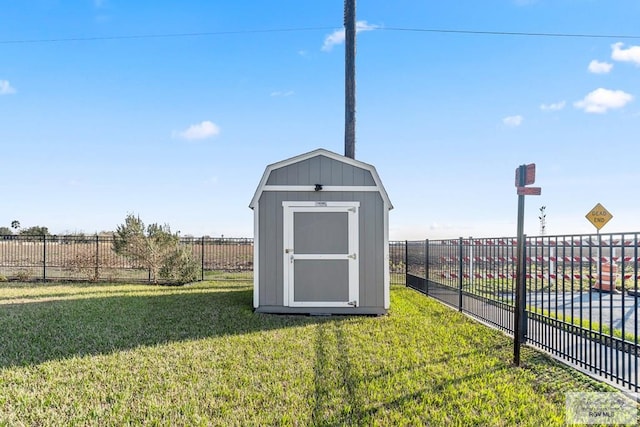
<point x="513" y="121"/>
<point x="597" y="67"/>
<point x="6" y="88"/>
<point x="556" y="106"/>
<point x="632" y="54"/>
<point x="337" y="37"/>
<point x="601" y="100"/>
<point x="282" y="94"/>
<point x="206" y="129"/>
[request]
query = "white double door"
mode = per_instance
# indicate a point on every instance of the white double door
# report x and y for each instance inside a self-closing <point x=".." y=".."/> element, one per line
<point x="320" y="254"/>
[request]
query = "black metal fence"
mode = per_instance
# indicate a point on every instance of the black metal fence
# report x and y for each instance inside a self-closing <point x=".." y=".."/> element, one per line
<point x="50" y="258"/>
<point x="582" y="293"/>
<point x="66" y="258"/>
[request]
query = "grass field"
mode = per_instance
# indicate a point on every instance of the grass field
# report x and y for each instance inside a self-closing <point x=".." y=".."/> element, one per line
<point x="87" y="354"/>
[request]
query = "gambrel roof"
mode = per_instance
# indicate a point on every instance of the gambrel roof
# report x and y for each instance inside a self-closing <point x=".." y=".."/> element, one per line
<point x="372" y="181"/>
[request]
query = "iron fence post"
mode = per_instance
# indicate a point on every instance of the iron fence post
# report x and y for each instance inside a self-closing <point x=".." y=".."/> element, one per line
<point x="202" y="256"/>
<point x="635" y="288"/>
<point x="44" y="257"/>
<point x="460" y="270"/>
<point x="426" y="267"/>
<point x="470" y="256"/>
<point x="97" y="257"/>
<point x="406" y="262"/>
<point x="524" y="324"/>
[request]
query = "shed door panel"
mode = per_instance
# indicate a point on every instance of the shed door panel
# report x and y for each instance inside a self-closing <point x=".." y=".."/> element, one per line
<point x="321" y="280"/>
<point x="321" y="232"/>
<point x="321" y="254"/>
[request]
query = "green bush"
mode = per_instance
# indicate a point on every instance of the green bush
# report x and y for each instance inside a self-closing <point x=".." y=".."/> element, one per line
<point x="23" y="275"/>
<point x="3" y="278"/>
<point x="157" y="248"/>
<point x="180" y="266"/>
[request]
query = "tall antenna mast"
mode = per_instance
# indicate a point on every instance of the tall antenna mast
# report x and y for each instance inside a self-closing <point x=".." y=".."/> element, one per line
<point x="350" y="79"/>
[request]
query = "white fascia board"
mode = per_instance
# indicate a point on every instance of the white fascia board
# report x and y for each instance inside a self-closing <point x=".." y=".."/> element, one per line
<point x="387" y="278"/>
<point x="256" y="257"/>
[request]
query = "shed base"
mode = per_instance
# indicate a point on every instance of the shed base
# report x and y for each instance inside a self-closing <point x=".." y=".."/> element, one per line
<point x="341" y="311"/>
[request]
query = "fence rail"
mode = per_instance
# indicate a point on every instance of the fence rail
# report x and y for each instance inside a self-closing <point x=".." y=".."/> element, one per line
<point x="582" y="293"/>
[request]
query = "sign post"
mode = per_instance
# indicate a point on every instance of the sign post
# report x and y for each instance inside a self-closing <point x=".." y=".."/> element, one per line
<point x="525" y="175"/>
<point x="599" y="217"/>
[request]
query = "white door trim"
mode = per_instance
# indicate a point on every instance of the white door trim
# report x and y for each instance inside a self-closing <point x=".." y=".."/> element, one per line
<point x="289" y="257"/>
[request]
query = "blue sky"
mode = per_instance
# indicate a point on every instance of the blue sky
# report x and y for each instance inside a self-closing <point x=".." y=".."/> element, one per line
<point x="96" y="122"/>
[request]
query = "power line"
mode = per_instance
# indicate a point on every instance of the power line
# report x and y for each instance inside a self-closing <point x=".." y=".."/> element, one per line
<point x="511" y="33"/>
<point x="163" y="35"/>
<point x="304" y="29"/>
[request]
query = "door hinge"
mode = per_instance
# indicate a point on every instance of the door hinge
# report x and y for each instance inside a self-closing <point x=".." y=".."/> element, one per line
<point x="353" y="303"/>
<point x="352" y="256"/>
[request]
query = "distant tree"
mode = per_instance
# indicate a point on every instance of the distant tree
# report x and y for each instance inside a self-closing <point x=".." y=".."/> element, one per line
<point x="543" y="220"/>
<point x="79" y="237"/>
<point x="156" y="248"/>
<point x="35" y="231"/>
<point x="5" y="231"/>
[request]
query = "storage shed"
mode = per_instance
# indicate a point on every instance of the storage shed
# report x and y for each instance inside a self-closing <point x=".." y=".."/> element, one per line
<point x="321" y="237"/>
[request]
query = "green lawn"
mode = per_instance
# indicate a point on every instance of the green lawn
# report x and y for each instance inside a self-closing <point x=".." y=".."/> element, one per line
<point x="86" y="354"/>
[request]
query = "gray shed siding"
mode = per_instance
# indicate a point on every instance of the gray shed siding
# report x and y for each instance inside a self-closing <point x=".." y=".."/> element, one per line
<point x="371" y="240"/>
<point x="320" y="170"/>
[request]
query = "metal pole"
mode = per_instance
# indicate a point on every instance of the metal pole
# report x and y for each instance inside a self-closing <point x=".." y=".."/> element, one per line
<point x="598" y="266"/>
<point x="426" y="267"/>
<point x="97" y="257"/>
<point x="350" y="79"/>
<point x="406" y="262"/>
<point x="460" y="272"/>
<point x="202" y="257"/>
<point x="518" y="321"/>
<point x="44" y="257"/>
<point x="471" y="274"/>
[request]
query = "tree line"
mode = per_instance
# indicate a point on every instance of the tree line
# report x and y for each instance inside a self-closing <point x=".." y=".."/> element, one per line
<point x="16" y="228"/>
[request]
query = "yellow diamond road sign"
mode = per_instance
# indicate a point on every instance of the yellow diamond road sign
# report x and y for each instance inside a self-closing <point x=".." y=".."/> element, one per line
<point x="599" y="216"/>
